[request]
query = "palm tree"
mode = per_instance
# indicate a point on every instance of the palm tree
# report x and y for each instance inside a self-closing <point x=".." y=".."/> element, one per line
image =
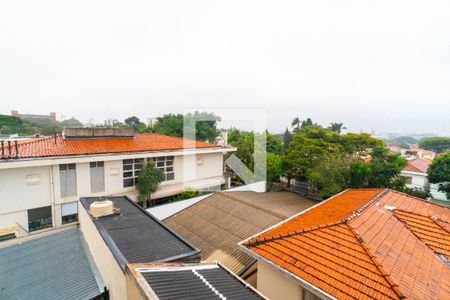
<point x="296" y="122"/>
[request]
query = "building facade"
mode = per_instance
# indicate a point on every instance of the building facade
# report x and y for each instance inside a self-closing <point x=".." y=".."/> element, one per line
<point x="41" y="190"/>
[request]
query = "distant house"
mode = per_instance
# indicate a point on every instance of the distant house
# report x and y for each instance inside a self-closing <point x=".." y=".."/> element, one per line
<point x="42" y="179"/>
<point x="415" y="173"/>
<point x="415" y="152"/>
<point x="359" y="244"/>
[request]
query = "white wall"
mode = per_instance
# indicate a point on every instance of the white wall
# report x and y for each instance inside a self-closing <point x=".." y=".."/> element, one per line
<point x="18" y="193"/>
<point x="419" y="180"/>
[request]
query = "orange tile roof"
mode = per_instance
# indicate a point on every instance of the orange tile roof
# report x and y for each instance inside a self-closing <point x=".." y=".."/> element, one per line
<point x="49" y="146"/>
<point x="419" y="165"/>
<point x="365" y="244"/>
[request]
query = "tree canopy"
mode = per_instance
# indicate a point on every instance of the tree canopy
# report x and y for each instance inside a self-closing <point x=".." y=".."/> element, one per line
<point x="149" y="180"/>
<point x="436" y="143"/>
<point x="439" y="173"/>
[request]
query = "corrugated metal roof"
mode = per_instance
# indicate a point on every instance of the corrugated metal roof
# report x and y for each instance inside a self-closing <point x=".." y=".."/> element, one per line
<point x="135" y="236"/>
<point x="218" y="223"/>
<point x="197" y="282"/>
<point x="55" y="266"/>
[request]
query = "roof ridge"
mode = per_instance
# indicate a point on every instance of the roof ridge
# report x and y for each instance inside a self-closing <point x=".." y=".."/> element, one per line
<point x="421" y="199"/>
<point x="374" y="259"/>
<point x="359" y="211"/>
<point x="291" y="234"/>
<point x="275" y="214"/>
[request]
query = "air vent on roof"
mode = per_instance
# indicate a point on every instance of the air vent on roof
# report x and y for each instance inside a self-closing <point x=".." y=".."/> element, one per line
<point x="101" y="208"/>
<point x="97" y="132"/>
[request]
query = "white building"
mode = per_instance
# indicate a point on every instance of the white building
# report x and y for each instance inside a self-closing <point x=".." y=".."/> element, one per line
<point x="415" y="173"/>
<point x="42" y="180"/>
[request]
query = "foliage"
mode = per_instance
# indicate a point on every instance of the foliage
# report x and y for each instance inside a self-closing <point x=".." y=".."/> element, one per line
<point x="332" y="162"/>
<point x="273" y="167"/>
<point x="149" y="180"/>
<point x="72" y="122"/>
<point x="12" y="125"/>
<point x="205" y="125"/>
<point x="133" y="122"/>
<point x="435" y="143"/>
<point x="337" y="127"/>
<point x="287" y="138"/>
<point x="439" y="173"/>
<point x="330" y="175"/>
<point x="405" y="140"/>
<point x="296" y="122"/>
<point x="385" y="168"/>
<point x="188" y="193"/>
<point x="415" y="192"/>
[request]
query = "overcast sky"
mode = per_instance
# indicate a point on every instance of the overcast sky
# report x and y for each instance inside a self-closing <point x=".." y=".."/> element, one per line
<point x="382" y="65"/>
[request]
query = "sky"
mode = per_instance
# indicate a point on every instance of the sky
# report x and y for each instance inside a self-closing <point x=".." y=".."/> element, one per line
<point x="373" y="65"/>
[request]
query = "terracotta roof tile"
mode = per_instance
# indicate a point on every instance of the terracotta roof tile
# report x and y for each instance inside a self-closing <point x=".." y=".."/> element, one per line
<point x="49" y="146"/>
<point x="419" y="165"/>
<point x="383" y="244"/>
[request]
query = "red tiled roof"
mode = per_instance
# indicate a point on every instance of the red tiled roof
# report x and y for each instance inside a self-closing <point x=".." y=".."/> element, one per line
<point x="365" y="244"/>
<point x="419" y="165"/>
<point x="49" y="147"/>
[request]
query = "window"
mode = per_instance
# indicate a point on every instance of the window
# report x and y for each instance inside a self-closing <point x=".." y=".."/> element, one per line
<point x="68" y="180"/>
<point x="165" y="164"/>
<point x="39" y="218"/>
<point x="97" y="176"/>
<point x="131" y="169"/>
<point x="408" y="179"/>
<point x="69" y="212"/>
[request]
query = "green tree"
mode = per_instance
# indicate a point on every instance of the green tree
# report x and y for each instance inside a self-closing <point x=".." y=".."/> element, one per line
<point x="296" y="122"/>
<point x="12" y="125"/>
<point x="330" y="175"/>
<point x="133" y="122"/>
<point x="149" y="180"/>
<point x="385" y="169"/>
<point x="287" y="138"/>
<point x="170" y="124"/>
<point x="435" y="143"/>
<point x="337" y="127"/>
<point x="72" y="122"/>
<point x="273" y="168"/>
<point x="439" y="173"/>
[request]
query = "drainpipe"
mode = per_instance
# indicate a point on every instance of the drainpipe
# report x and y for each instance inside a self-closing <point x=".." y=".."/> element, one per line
<point x="52" y="192"/>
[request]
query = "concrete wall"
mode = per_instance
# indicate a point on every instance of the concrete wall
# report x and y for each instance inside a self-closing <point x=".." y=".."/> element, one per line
<point x="275" y="285"/>
<point x="23" y="189"/>
<point x="112" y="274"/>
<point x="419" y="180"/>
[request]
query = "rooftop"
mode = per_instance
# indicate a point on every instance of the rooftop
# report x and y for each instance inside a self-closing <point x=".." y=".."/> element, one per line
<point x="59" y="146"/>
<point x="418" y="165"/>
<point x="364" y="244"/>
<point x="55" y="266"/>
<point x="218" y="223"/>
<point x="135" y="236"/>
<point x="204" y="281"/>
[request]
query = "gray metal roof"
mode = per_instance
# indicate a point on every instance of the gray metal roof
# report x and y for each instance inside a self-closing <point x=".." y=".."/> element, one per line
<point x="135" y="236"/>
<point x="197" y="282"/>
<point x="54" y="266"/>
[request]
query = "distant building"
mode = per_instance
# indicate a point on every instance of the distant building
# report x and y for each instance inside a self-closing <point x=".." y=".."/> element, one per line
<point x="51" y="116"/>
<point x="359" y="244"/>
<point x="415" y="173"/>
